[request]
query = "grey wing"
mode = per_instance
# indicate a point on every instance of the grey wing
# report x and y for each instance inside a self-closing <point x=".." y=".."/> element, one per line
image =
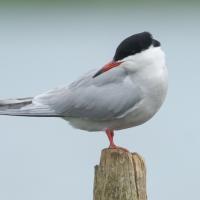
<point x="105" y="97"/>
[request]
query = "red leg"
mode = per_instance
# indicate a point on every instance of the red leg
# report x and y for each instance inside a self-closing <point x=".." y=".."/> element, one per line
<point x="110" y="134"/>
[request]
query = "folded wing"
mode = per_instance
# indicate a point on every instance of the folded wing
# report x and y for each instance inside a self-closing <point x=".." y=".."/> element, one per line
<point x="105" y="97"/>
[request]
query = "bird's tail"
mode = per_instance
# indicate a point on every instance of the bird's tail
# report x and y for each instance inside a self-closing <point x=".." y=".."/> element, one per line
<point x="25" y="107"/>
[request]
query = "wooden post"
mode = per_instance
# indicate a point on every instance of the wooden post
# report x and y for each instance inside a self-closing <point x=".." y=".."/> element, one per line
<point x="121" y="175"/>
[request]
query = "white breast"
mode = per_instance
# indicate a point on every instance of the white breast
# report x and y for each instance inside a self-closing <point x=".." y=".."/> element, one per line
<point x="150" y="74"/>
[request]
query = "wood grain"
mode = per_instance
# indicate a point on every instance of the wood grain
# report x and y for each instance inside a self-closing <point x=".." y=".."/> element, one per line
<point x="120" y="175"/>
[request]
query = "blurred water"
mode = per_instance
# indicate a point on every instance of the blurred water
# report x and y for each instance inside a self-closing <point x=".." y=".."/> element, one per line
<point x="42" y="48"/>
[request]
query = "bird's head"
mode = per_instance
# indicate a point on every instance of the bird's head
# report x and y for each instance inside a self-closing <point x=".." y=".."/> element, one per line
<point x="140" y="46"/>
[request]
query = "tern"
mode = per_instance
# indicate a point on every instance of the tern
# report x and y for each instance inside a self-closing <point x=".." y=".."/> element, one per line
<point x="124" y="93"/>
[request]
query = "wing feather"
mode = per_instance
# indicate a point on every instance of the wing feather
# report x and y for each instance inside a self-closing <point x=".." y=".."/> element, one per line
<point x="105" y="97"/>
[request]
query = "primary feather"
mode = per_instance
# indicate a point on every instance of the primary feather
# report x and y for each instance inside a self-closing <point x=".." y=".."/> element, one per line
<point x="24" y="107"/>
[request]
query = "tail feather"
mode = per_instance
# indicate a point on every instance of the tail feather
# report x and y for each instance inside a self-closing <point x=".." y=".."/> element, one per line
<point x="14" y="103"/>
<point x="25" y="107"/>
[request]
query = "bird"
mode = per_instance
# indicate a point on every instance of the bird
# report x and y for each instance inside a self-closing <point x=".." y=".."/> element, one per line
<point x="126" y="92"/>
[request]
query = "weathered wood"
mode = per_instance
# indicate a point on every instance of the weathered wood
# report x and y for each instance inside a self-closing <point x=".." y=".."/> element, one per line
<point x="120" y="176"/>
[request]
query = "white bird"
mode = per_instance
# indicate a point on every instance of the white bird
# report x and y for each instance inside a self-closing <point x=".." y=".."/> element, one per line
<point x="125" y="93"/>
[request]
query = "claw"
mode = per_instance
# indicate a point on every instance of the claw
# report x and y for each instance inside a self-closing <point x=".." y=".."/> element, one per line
<point x="110" y="134"/>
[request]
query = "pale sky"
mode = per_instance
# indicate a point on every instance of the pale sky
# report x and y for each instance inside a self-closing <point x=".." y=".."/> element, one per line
<point x="42" y="158"/>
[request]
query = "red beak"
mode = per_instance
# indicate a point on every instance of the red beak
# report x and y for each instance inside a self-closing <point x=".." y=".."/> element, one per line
<point x="107" y="67"/>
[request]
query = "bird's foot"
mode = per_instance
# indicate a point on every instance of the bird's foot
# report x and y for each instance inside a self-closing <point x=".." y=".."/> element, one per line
<point x="110" y="134"/>
<point x="113" y="146"/>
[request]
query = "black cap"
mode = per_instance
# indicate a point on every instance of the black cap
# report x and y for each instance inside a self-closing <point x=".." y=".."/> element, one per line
<point x="135" y="44"/>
